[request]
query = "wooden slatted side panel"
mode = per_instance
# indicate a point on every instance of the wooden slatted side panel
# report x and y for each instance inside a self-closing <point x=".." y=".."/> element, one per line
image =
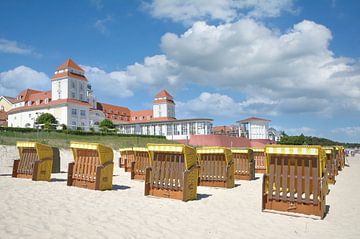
<point x="141" y="162"/>
<point x="27" y="162"/>
<point x="277" y="177"/>
<point x="294" y="178"/>
<point x="212" y="167"/>
<point x="285" y="177"/>
<point x="85" y="165"/>
<point x="259" y="158"/>
<point x="271" y="176"/>
<point x="315" y="180"/>
<point x="299" y="172"/>
<point x="292" y="184"/>
<point x="167" y="171"/>
<point x="241" y="161"/>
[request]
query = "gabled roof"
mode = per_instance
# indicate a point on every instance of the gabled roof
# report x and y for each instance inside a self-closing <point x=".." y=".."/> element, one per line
<point x="163" y="93"/>
<point x="25" y="94"/>
<point x="253" y="119"/>
<point x="8" y="98"/>
<point x="69" y="64"/>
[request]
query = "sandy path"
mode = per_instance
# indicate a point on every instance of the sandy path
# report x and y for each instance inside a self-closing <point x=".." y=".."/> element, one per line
<point x="51" y="209"/>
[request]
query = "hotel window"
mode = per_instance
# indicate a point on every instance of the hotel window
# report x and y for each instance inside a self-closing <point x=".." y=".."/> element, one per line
<point x="81" y="86"/>
<point x="73" y="112"/>
<point x="73" y="123"/>
<point x="46" y="100"/>
<point x="73" y="84"/>
<point x="133" y="118"/>
<point x="37" y="102"/>
<point x="29" y="103"/>
<point x="81" y="97"/>
<point x="73" y="95"/>
<point x="192" y="128"/>
<point x="169" y="129"/>
<point x="184" y="128"/>
<point x="82" y="113"/>
<point x="148" y="117"/>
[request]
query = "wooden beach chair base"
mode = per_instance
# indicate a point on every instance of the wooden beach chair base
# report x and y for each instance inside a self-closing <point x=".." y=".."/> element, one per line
<point x="219" y="184"/>
<point x="294" y="209"/>
<point x="243" y="177"/>
<point x="260" y="170"/>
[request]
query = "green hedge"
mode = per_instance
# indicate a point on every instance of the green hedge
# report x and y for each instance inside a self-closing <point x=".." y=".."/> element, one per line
<point x="77" y="132"/>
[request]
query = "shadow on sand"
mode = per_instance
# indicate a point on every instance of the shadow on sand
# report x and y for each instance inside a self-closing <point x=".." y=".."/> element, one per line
<point x="119" y="187"/>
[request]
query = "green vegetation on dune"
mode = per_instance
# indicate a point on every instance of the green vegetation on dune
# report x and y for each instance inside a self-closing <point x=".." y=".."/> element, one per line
<point x="62" y="139"/>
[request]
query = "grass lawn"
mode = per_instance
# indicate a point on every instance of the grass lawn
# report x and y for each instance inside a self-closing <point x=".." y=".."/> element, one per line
<point x="62" y="140"/>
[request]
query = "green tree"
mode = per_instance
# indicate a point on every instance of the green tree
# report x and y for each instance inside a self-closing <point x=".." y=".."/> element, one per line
<point x="106" y="124"/>
<point x="47" y="120"/>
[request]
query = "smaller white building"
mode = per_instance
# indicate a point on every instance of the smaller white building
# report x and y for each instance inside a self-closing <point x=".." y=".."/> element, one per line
<point x="254" y="128"/>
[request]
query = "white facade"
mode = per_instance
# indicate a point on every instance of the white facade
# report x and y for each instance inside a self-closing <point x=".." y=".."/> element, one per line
<point x="254" y="129"/>
<point x="69" y="88"/>
<point x="172" y="129"/>
<point x="72" y="115"/>
<point x="163" y="109"/>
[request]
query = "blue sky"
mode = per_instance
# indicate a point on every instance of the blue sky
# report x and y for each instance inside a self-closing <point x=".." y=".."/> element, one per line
<point x="294" y="62"/>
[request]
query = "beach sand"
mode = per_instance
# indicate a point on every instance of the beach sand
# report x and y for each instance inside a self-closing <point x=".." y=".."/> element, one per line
<point x="52" y="209"/>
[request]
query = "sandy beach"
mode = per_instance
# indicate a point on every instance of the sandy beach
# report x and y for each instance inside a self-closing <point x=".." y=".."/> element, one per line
<point x="52" y="209"/>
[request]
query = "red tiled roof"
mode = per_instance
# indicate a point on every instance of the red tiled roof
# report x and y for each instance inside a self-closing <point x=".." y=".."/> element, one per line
<point x="141" y="115"/>
<point x="113" y="112"/>
<point x="163" y="93"/>
<point x="69" y="64"/>
<point x="51" y="103"/>
<point x="68" y="74"/>
<point x="253" y="119"/>
<point x="40" y="96"/>
<point x="260" y="143"/>
<point x="24" y="95"/>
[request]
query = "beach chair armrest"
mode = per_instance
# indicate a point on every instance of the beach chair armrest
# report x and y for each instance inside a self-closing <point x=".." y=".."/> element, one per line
<point x="15" y="167"/>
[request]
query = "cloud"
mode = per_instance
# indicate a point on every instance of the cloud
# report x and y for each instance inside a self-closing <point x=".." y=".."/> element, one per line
<point x="220" y="105"/>
<point x="295" y="69"/>
<point x="189" y="11"/>
<point x="100" y="24"/>
<point x="13" y="47"/>
<point x="154" y="73"/>
<point x="20" y="78"/>
<point x="353" y="131"/>
<point x="288" y="72"/>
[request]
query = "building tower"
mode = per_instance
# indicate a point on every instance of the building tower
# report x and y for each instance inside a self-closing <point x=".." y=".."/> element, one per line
<point x="163" y="106"/>
<point x="69" y="82"/>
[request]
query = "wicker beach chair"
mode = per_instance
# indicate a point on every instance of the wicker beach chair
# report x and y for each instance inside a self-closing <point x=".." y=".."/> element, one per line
<point x="140" y="163"/>
<point x="35" y="161"/>
<point x="294" y="181"/>
<point x="259" y="158"/>
<point x="216" y="167"/>
<point x="244" y="164"/>
<point x="126" y="158"/>
<point x="340" y="157"/>
<point x="92" y="167"/>
<point x="331" y="164"/>
<point x="173" y="172"/>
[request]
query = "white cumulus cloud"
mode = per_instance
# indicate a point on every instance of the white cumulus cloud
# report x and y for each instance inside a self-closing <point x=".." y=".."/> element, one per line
<point x="20" y="78"/>
<point x="189" y="11"/>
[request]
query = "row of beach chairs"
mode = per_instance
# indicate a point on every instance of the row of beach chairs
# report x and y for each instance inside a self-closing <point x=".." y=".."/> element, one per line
<point x="295" y="178"/>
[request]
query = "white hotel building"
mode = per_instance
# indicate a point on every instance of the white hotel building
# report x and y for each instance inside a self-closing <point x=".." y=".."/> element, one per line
<point x="72" y="103"/>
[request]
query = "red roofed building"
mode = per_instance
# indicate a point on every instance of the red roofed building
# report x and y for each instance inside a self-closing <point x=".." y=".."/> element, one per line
<point x="68" y="100"/>
<point x="72" y="102"/>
